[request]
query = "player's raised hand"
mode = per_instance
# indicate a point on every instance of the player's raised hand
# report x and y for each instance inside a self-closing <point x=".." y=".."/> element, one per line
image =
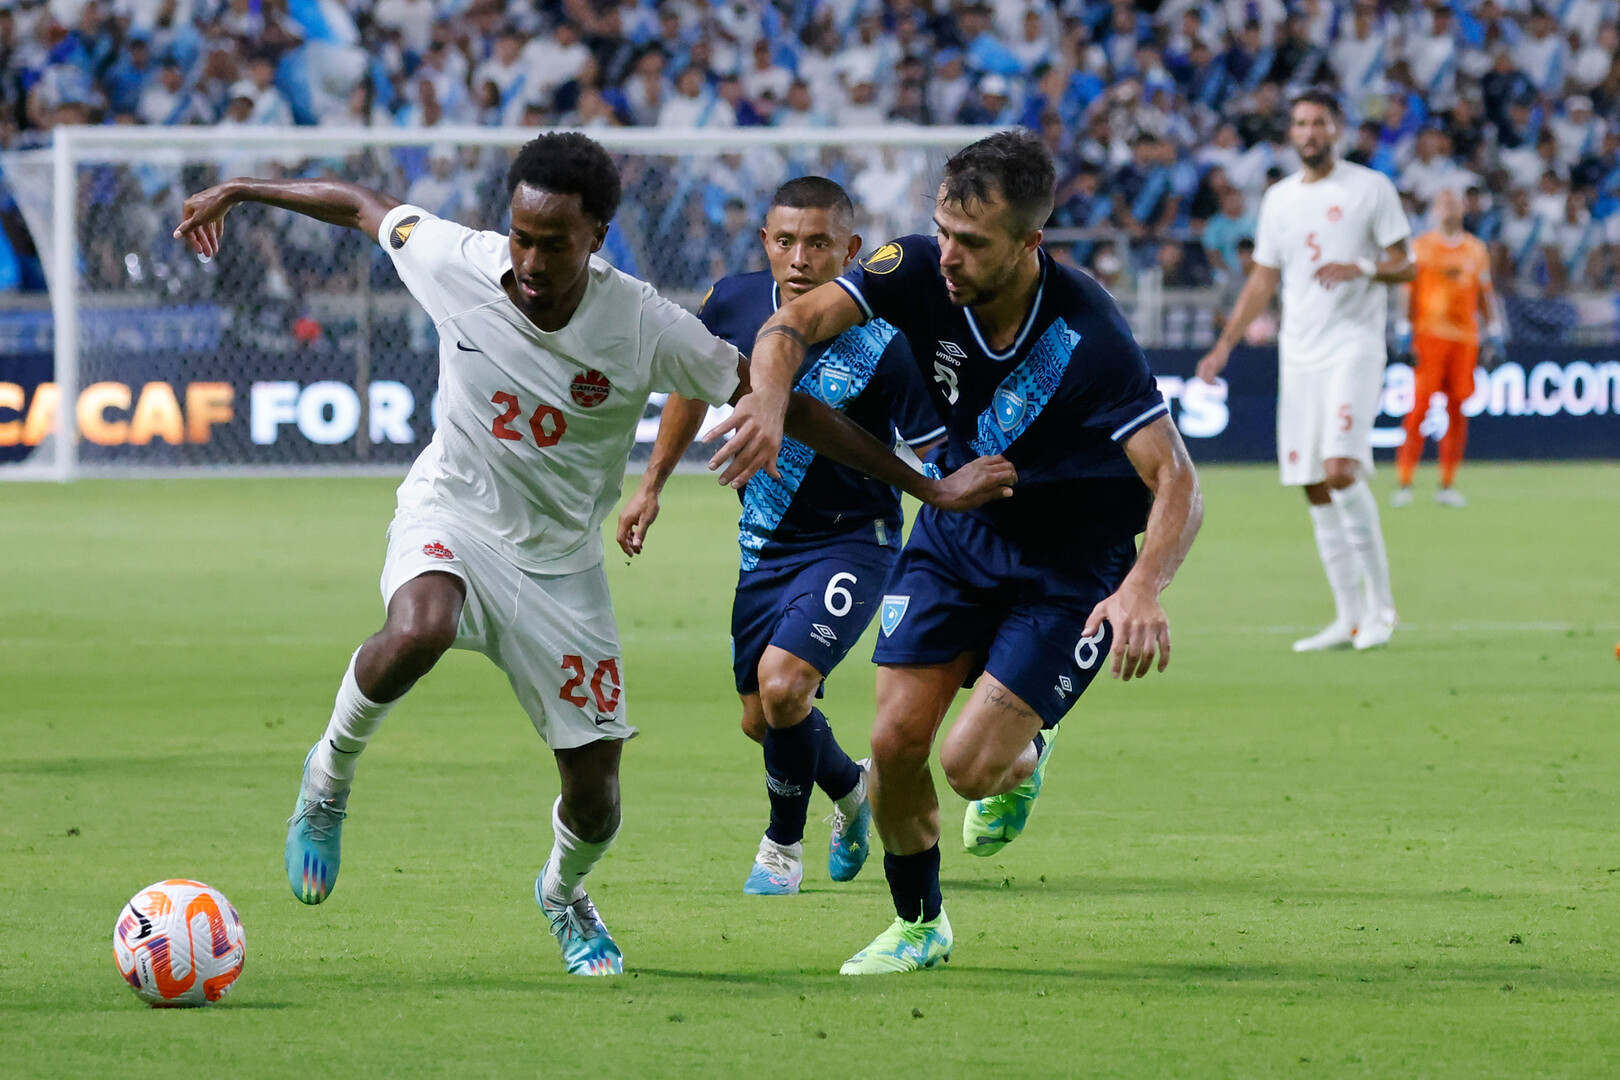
<point x="1140" y="626"/>
<point x="202" y="221"/>
<point x="1213" y="363"/>
<point x="756" y="438"/>
<point x="638" y="517"/>
<point x="981" y="480"/>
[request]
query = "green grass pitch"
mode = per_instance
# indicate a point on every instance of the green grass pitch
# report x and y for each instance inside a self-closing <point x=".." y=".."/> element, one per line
<point x="1398" y="864"/>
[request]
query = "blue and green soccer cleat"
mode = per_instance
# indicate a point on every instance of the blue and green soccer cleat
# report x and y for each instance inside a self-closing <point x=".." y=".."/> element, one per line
<point x="904" y="946"/>
<point x="314" y="841"/>
<point x="587" y="947"/>
<point x="991" y="824"/>
<point x="851" y="839"/>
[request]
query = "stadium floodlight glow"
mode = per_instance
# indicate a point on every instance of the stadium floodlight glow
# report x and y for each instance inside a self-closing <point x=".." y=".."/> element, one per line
<point x="154" y="361"/>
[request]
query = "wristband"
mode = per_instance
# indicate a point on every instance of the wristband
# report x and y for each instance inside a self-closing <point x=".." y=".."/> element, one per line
<point x="1367" y="267"/>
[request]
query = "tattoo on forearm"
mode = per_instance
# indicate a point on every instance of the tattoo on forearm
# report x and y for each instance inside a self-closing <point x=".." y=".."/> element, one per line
<point x="785" y="331"/>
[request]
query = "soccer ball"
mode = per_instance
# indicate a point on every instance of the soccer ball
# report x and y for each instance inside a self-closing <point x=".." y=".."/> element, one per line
<point x="179" y="943"/>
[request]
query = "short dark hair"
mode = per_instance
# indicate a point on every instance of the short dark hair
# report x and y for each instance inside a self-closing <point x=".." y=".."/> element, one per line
<point x="1317" y="96"/>
<point x="1013" y="164"/>
<point x="568" y="163"/>
<point x="815" y="193"/>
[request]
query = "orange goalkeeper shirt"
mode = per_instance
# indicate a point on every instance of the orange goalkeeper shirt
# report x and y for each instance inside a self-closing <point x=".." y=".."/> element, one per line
<point x="1445" y="293"/>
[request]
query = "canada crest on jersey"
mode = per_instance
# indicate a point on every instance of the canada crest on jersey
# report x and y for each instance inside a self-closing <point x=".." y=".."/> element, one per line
<point x="589" y="389"/>
<point x="833" y="384"/>
<point x="1009" y="406"/>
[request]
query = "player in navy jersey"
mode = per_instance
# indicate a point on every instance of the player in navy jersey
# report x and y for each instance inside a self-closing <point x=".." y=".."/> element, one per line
<point x="817" y="543"/>
<point x="1023" y="597"/>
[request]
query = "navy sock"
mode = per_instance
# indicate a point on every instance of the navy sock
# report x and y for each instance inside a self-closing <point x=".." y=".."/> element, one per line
<point x="790" y="772"/>
<point x="914" y="884"/>
<point x="836" y="772"/>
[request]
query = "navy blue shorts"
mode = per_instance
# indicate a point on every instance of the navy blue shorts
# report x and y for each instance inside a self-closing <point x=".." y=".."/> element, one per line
<point x="815" y="606"/>
<point x="960" y="587"/>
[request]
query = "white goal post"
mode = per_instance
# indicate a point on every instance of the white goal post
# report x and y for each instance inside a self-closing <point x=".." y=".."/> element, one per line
<point x="297" y="349"/>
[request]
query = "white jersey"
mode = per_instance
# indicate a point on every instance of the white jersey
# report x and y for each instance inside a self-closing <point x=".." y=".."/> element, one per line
<point x="535" y="427"/>
<point x="1352" y="213"/>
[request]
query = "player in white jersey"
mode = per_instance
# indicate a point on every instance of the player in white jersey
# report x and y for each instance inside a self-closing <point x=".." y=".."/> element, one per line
<point x="546" y="358"/>
<point x="1334" y="235"/>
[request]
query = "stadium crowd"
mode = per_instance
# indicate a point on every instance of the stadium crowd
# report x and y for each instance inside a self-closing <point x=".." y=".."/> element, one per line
<point x="1167" y="119"/>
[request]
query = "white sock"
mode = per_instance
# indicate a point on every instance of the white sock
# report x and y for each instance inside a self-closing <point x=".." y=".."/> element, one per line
<point x="1360" y="510"/>
<point x="851" y="803"/>
<point x="571" y="858"/>
<point x="355" y="718"/>
<point x="1339" y="560"/>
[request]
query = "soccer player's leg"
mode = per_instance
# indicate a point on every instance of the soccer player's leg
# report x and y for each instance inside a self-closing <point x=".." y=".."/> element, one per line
<point x="1039" y="664"/>
<point x="911" y="704"/>
<point x="820" y="610"/>
<point x="1356" y="385"/>
<point x="1303" y="413"/>
<point x="560" y="651"/>
<point x="937" y="620"/>
<point x="1428" y="379"/>
<point x="426" y="595"/>
<point x="1461" y="361"/>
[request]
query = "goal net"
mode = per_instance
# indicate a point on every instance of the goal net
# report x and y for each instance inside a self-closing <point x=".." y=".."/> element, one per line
<point x="297" y="348"/>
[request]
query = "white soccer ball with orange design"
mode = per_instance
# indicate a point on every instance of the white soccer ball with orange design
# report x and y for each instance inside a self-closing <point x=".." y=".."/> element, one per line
<point x="179" y="943"/>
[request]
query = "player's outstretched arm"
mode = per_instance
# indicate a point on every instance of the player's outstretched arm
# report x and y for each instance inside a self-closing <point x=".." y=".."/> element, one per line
<point x="202" y="222"/>
<point x="828" y="431"/>
<point x="756" y="422"/>
<point x="678" y="426"/>
<point x="1139" y="623"/>
<point x="1254" y="299"/>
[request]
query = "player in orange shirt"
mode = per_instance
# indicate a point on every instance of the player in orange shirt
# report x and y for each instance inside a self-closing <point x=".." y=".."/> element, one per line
<point x="1452" y="288"/>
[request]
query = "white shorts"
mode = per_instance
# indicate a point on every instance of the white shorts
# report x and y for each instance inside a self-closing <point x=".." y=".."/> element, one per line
<point x="1326" y="413"/>
<point x="555" y="637"/>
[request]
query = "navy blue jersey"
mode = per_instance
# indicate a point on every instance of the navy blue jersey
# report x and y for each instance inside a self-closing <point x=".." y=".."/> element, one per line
<point x="868" y="374"/>
<point x="1059" y="403"/>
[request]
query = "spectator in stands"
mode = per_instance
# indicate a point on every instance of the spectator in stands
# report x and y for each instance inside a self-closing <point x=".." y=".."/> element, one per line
<point x="1145" y="201"/>
<point x="1225" y="229"/>
<point x="1177" y="270"/>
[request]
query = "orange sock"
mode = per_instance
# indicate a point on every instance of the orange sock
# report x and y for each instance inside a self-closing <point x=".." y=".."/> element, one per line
<point x="1411" y="451"/>
<point x="1451" y="447"/>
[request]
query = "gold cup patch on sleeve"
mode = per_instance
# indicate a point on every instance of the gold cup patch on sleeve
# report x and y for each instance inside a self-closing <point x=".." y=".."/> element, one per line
<point x="402" y="232"/>
<point x="885" y="259"/>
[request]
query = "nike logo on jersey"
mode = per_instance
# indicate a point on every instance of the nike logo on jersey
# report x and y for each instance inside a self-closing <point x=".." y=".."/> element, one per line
<point x="464" y="347"/>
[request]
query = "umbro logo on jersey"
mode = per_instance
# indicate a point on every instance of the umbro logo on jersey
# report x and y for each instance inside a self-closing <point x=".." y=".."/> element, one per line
<point x="885" y="260"/>
<point x="438" y="551"/>
<point x="1335" y="213"/>
<point x="589" y="389"/>
<point x="464" y="347"/>
<point x="823" y="633"/>
<point x="402" y="232"/>
<point x="950" y="352"/>
<point x="892" y="611"/>
<point x="1009" y="407"/>
<point x="833" y="384"/>
<point x="1064" y="685"/>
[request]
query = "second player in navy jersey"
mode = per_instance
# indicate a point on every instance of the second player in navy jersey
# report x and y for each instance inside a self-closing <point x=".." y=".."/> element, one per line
<point x="1022" y="598"/>
<point x="818" y="540"/>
